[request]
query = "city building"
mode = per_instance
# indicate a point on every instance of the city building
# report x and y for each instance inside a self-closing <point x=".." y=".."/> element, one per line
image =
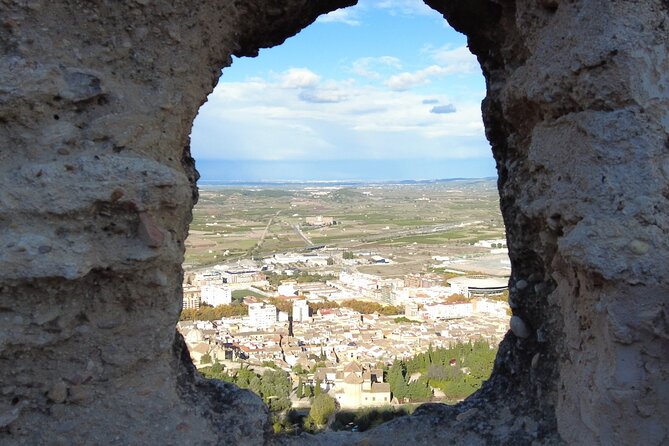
<point x="471" y="286"/>
<point x="411" y="310"/>
<point x="216" y="295"/>
<point x="448" y="310"/>
<point x="319" y="221"/>
<point x="497" y="243"/>
<point x="192" y="297"/>
<point x="208" y="278"/>
<point x="423" y="280"/>
<point x="300" y="311"/>
<point x="491" y="307"/>
<point x="356" y="387"/>
<point x="293" y="258"/>
<point x="287" y="288"/>
<point x="242" y="275"/>
<point x="262" y="316"/>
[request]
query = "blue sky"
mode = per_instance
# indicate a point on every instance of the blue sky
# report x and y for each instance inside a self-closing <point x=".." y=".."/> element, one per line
<point x="382" y="90"/>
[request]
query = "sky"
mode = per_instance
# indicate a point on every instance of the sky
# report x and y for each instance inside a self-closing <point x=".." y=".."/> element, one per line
<point x="384" y="90"/>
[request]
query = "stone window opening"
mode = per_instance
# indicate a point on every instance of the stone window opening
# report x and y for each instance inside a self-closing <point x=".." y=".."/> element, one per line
<point x="370" y="399"/>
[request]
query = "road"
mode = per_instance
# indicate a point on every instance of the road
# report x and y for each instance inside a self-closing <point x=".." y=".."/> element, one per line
<point x="264" y="233"/>
<point x="418" y="231"/>
<point x="299" y="232"/>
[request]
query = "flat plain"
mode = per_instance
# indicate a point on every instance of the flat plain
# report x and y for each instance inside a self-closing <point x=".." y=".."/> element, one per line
<point x="409" y="223"/>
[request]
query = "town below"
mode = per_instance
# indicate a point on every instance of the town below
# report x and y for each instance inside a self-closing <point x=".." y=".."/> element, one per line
<point x="344" y="306"/>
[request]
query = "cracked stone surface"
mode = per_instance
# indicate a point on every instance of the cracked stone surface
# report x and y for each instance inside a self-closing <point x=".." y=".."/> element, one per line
<point x="97" y="185"/>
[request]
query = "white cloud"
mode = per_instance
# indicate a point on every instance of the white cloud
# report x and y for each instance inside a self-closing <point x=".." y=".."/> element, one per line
<point x="404" y="7"/>
<point x="406" y="80"/>
<point x="322" y="96"/>
<point x="347" y="16"/>
<point x="459" y="57"/>
<point x="448" y="60"/>
<point x="351" y="15"/>
<point x="322" y="119"/>
<point x="299" y="78"/>
<point x="369" y="67"/>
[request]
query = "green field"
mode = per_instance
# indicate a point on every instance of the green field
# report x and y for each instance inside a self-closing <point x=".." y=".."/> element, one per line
<point x="241" y="294"/>
<point x="229" y="222"/>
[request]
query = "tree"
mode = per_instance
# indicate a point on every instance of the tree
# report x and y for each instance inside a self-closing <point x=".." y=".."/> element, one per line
<point x="206" y="359"/>
<point x="243" y="377"/>
<point x="217" y="367"/>
<point x="391" y="310"/>
<point x="298" y="369"/>
<point x="255" y="385"/>
<point x="454" y="298"/>
<point x="419" y="390"/>
<point x="207" y="313"/>
<point x="348" y="255"/>
<point x="397" y="381"/>
<point x="317" y="387"/>
<point x="322" y="407"/>
<point x="314" y="307"/>
<point x="281" y="304"/>
<point x="300" y="389"/>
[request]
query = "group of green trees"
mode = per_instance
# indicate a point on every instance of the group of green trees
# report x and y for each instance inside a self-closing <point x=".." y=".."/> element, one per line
<point x="273" y="386"/>
<point x="305" y="390"/>
<point x="368" y="418"/>
<point x="315" y="306"/>
<point x="364" y="307"/>
<point x="323" y="406"/>
<point x="398" y="377"/>
<point x="302" y="277"/>
<point x="208" y="313"/>
<point x="360" y="306"/>
<point x="357" y="305"/>
<point x="405" y="320"/>
<point x="458" y="371"/>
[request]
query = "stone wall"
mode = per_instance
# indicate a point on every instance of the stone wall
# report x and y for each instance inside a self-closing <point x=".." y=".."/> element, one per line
<point x="96" y="103"/>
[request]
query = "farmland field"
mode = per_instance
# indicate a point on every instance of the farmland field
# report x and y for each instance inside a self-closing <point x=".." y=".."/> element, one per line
<point x="410" y="223"/>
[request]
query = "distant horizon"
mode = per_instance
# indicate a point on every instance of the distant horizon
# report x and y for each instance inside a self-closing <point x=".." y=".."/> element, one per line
<point x="344" y="170"/>
<point x="345" y="181"/>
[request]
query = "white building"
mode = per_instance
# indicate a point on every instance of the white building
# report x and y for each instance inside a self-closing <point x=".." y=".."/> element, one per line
<point x="356" y="387"/>
<point x="208" y="278"/>
<point x="478" y="286"/>
<point x="300" y="311"/>
<point x="496" y="243"/>
<point x="292" y="258"/>
<point x="494" y="308"/>
<point x="411" y="310"/>
<point x="287" y="288"/>
<point x="262" y="316"/>
<point x="319" y="221"/>
<point x="216" y="295"/>
<point x="449" y="310"/>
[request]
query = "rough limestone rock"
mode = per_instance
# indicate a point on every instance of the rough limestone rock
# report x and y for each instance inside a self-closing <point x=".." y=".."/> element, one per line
<point x="97" y="185"/>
